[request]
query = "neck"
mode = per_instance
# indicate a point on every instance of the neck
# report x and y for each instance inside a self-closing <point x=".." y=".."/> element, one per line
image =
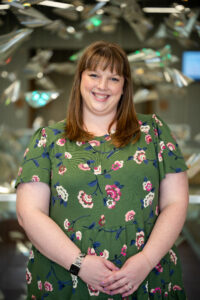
<point x="97" y="125"/>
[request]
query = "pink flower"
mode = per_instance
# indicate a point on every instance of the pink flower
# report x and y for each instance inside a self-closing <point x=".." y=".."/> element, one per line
<point x="28" y="276"/>
<point x="84" y="167"/>
<point x="129" y="215"/>
<point x="85" y="200"/>
<point x="177" y="288"/>
<point x="139" y="239"/>
<point x="97" y="170"/>
<point x="102" y="220"/>
<point x="94" y="143"/>
<point x="39" y="283"/>
<point x="68" y="155"/>
<point x="160" y="158"/>
<point x="155" y="132"/>
<point x="104" y="254"/>
<point x="20" y="171"/>
<point x="123" y="250"/>
<point x="171" y="146"/>
<point x="173" y="256"/>
<point x="91" y="251"/>
<point x="80" y="143"/>
<point x="139" y="156"/>
<point x="162" y="146"/>
<point x="78" y="235"/>
<point x="158" y="289"/>
<point x="92" y="291"/>
<point x="157" y="120"/>
<point x="148" y="138"/>
<point x="61" y="142"/>
<point x="62" y="170"/>
<point x="35" y="178"/>
<point x="33" y="297"/>
<point x="140" y="122"/>
<point x="107" y="138"/>
<point x="113" y="191"/>
<point x="147" y="185"/>
<point x="26" y="151"/>
<point x="48" y="286"/>
<point x="117" y="165"/>
<point x="159" y="268"/>
<point x="43" y="132"/>
<point x="166" y="294"/>
<point x="66" y="224"/>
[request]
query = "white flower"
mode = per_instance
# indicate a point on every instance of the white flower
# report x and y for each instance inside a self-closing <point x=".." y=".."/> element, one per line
<point x="78" y="235"/>
<point x="148" y="199"/>
<point x="97" y="170"/>
<point x="42" y="141"/>
<point x="145" y="128"/>
<point x="62" y="193"/>
<point x="74" y="281"/>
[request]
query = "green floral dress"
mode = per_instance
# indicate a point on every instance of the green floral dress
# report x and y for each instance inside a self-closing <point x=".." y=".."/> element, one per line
<point x="106" y="200"/>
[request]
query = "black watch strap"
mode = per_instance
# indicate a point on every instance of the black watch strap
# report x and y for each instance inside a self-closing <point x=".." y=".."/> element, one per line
<point x="75" y="267"/>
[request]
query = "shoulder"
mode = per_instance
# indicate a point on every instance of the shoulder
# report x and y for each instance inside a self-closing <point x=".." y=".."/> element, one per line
<point x="45" y="136"/>
<point x="150" y="119"/>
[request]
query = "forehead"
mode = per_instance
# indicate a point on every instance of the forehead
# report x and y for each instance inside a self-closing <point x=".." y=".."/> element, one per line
<point x="105" y="63"/>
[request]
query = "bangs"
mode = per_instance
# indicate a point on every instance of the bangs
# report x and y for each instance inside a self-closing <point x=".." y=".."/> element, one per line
<point x="106" y="60"/>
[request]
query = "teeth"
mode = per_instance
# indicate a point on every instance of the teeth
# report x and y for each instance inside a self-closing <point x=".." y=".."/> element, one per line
<point x="101" y="96"/>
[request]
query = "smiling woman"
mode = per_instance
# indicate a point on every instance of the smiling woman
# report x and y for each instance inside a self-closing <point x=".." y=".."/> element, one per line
<point x="103" y="73"/>
<point x="103" y="195"/>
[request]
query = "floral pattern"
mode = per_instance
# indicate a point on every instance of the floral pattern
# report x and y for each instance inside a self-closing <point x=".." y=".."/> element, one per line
<point x="106" y="200"/>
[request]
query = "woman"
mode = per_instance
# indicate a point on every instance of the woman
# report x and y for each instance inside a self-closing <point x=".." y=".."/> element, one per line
<point x="103" y="195"/>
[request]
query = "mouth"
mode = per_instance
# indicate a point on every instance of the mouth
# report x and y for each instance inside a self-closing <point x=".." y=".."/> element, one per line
<point x="100" y="97"/>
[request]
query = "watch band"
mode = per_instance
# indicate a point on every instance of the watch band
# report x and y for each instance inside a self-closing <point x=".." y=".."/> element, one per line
<point x="75" y="267"/>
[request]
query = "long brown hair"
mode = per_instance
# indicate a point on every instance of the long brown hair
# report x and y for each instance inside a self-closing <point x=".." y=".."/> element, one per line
<point x="109" y="55"/>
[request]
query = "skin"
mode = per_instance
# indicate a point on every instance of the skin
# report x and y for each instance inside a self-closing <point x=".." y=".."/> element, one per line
<point x="101" y="92"/>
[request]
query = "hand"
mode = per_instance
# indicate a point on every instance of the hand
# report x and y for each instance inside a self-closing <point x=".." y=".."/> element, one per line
<point x="94" y="269"/>
<point x="127" y="280"/>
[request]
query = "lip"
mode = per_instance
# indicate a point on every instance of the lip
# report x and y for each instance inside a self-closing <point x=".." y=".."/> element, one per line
<point x="100" y="97"/>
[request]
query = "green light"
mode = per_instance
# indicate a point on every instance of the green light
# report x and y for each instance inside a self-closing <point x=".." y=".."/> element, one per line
<point x="95" y="21"/>
<point x="157" y="53"/>
<point x="73" y="57"/>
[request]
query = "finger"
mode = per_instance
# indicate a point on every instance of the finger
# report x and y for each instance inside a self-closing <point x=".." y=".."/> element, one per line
<point x="131" y="290"/>
<point x="116" y="285"/>
<point x="115" y="276"/>
<point x="110" y="265"/>
<point x="126" y="289"/>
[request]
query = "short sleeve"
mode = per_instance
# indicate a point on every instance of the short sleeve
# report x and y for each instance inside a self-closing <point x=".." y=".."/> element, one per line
<point x="36" y="165"/>
<point x="170" y="158"/>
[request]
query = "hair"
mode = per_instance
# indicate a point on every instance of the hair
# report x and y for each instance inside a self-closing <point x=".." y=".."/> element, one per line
<point x="109" y="55"/>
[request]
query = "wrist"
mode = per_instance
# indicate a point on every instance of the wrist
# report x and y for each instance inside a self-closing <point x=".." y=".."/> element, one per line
<point x="76" y="265"/>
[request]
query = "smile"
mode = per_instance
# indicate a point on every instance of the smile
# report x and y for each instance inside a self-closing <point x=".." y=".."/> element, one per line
<point x="101" y="97"/>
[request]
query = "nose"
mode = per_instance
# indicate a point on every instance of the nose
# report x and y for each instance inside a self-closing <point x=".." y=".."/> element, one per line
<point x="102" y="83"/>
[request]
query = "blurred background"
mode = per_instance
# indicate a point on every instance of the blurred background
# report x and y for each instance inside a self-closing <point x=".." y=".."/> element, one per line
<point x="40" y="44"/>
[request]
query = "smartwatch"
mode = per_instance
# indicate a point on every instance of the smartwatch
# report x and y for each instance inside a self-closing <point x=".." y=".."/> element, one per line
<point x="75" y="267"/>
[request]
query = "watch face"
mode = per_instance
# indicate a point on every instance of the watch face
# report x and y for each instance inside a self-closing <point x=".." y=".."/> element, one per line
<point x="74" y="269"/>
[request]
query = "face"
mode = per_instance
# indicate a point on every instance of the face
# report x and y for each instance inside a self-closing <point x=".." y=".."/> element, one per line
<point x="101" y="91"/>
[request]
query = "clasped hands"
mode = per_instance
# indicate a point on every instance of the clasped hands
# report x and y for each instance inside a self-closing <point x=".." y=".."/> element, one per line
<point x="105" y="277"/>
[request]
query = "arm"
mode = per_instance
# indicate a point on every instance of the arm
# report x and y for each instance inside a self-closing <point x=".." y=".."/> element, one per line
<point x="33" y="215"/>
<point x="173" y="202"/>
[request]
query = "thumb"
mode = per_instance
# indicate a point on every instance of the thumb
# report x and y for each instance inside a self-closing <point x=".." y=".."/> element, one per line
<point x="110" y="265"/>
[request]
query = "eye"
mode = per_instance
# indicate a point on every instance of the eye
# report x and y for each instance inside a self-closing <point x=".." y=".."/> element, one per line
<point x="93" y="75"/>
<point x="115" y="79"/>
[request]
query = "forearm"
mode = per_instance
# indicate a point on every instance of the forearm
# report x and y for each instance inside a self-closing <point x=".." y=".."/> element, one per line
<point x="49" y="239"/>
<point x="165" y="232"/>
